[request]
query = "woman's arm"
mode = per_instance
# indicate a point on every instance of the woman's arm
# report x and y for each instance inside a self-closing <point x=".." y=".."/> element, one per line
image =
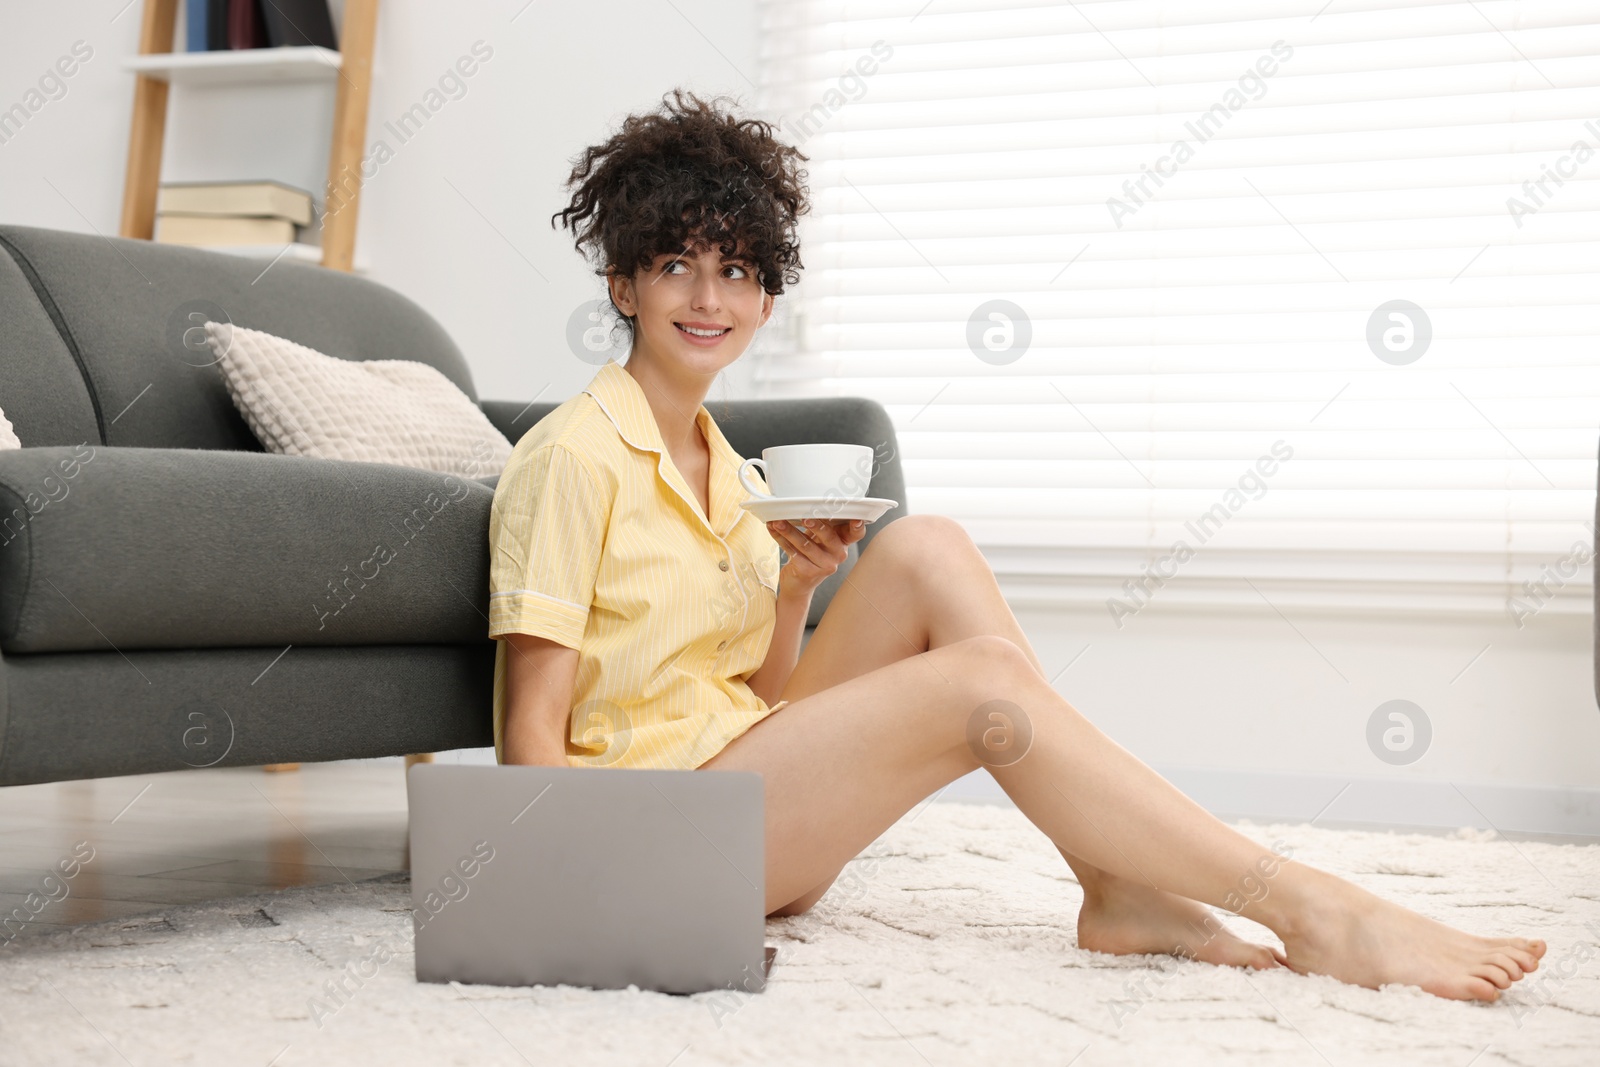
<point x="794" y="603"/>
<point x="814" y="553"/>
<point x="540" y="677"/>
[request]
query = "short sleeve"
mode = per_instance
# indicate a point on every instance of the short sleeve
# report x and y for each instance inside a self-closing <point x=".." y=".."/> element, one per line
<point x="547" y="528"/>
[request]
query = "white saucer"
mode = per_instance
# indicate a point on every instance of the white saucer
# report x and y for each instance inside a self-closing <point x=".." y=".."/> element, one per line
<point x="773" y="508"/>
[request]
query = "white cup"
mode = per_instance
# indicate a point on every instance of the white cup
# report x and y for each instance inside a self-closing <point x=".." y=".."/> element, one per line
<point x="829" y="471"/>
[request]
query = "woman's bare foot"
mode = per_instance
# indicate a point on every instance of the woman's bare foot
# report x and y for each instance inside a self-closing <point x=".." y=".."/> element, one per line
<point x="1346" y="932"/>
<point x="1130" y="918"/>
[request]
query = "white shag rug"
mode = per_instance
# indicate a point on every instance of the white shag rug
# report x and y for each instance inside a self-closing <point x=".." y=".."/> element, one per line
<point x="951" y="941"/>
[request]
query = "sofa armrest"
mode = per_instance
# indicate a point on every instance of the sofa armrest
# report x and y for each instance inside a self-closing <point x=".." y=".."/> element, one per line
<point x="144" y="548"/>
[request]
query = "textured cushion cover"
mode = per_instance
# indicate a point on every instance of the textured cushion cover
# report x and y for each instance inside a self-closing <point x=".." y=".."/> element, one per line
<point x="301" y="402"/>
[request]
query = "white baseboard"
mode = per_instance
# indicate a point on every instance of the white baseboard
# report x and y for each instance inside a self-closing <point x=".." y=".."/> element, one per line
<point x="1379" y="802"/>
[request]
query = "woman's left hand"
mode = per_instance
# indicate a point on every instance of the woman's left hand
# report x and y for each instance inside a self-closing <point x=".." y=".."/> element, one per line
<point x="816" y="548"/>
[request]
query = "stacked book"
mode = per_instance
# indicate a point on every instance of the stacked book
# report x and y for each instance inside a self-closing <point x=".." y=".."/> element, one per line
<point x="221" y="25"/>
<point x="230" y="213"/>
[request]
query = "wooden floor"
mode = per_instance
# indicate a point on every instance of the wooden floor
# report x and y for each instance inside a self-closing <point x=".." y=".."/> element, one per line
<point x="189" y="836"/>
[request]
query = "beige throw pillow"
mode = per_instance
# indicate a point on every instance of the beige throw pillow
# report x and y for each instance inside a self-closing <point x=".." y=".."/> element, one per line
<point x="301" y="402"/>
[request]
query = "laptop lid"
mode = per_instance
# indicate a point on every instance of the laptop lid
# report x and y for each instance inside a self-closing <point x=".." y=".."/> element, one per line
<point x="599" y="877"/>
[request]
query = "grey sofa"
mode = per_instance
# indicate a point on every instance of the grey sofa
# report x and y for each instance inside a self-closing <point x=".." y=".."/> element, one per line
<point x="166" y="586"/>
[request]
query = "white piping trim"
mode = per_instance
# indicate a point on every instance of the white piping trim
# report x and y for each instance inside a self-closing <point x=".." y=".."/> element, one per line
<point x="542" y="596"/>
<point x="618" y="426"/>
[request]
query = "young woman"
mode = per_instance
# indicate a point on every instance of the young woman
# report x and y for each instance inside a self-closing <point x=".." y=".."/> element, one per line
<point x="644" y="621"/>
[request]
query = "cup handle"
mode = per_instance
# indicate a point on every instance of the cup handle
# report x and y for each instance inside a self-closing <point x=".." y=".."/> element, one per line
<point x="753" y="490"/>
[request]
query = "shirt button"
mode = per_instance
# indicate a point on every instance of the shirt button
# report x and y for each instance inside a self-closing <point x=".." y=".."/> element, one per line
<point x="722" y="564"/>
<point x="721" y="645"/>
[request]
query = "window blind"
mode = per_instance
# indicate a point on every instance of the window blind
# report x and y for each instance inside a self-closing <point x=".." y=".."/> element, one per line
<point x="1238" y="300"/>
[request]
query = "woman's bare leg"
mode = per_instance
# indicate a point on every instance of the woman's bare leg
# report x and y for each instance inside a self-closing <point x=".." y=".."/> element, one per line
<point x="841" y="765"/>
<point x="894" y="604"/>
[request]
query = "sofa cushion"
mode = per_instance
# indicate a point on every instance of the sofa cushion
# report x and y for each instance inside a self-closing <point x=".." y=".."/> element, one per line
<point x="300" y="402"/>
<point x="135" y="548"/>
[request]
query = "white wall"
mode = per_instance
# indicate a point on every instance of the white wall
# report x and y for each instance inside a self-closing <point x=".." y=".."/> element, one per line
<point x="1193" y="693"/>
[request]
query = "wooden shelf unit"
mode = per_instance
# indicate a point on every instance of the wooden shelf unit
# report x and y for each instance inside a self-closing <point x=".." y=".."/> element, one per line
<point x="157" y="67"/>
<point x="309" y="63"/>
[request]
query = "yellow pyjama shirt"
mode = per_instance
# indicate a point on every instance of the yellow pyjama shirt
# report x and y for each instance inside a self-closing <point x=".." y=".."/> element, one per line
<point x="597" y="542"/>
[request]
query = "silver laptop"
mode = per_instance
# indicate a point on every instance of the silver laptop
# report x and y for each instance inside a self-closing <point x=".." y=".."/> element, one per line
<point x="588" y="876"/>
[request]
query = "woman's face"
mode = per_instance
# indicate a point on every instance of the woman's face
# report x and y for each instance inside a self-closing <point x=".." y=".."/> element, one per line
<point x="695" y="308"/>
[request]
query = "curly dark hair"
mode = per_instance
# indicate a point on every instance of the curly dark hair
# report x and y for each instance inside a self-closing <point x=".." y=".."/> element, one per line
<point x="687" y="170"/>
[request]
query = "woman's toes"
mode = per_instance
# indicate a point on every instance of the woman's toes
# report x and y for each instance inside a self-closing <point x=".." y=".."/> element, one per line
<point x="1525" y="951"/>
<point x="1481" y="989"/>
<point x="1490" y="972"/>
<point x="1507" y="963"/>
<point x="1532" y="946"/>
<point x="1264" y="959"/>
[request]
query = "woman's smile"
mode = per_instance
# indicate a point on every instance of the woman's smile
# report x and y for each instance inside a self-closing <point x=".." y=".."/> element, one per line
<point x="704" y="334"/>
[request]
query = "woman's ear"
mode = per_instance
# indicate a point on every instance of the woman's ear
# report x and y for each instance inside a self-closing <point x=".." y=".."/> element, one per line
<point x="622" y="295"/>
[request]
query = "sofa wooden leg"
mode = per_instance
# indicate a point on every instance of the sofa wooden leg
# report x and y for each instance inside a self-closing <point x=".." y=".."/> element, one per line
<point x="418" y="757"/>
<point x="274" y="767"/>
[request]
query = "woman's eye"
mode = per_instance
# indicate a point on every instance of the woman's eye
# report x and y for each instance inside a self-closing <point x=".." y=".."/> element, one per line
<point x="741" y="272"/>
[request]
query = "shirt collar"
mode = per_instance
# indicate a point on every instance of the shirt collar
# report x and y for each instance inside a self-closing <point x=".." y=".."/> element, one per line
<point x="622" y="399"/>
